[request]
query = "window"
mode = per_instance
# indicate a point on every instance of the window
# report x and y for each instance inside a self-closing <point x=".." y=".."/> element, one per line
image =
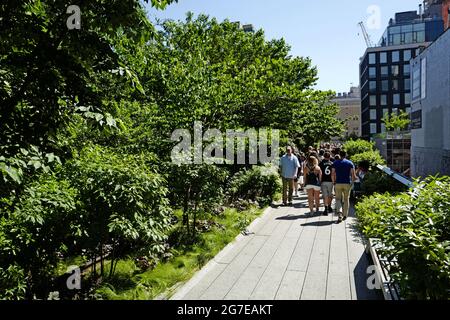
<point x="383" y="128"/>
<point x="395" y="71"/>
<point x="385" y="112"/>
<point x="419" y="27"/>
<point x="372" y="58"/>
<point x="408" y="110"/>
<point x="385" y="85"/>
<point x="372" y="86"/>
<point x="373" y="114"/>
<point x="373" y="101"/>
<point x="383" y="57"/>
<point x="406" y="55"/>
<point x="416" y="83"/>
<point x="384" y="71"/>
<point x="395" y="85"/>
<point x="396" y="99"/>
<point x="373" y="128"/>
<point x="406" y="70"/>
<point x="372" y="72"/>
<point x="384" y="100"/>
<point x="407" y="98"/>
<point x="407" y="84"/>
<point x="395" y="56"/>
<point x="394" y="111"/>
<point x="421" y="36"/>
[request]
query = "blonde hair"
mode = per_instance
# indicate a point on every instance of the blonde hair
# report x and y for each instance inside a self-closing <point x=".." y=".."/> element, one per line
<point x="313" y="161"/>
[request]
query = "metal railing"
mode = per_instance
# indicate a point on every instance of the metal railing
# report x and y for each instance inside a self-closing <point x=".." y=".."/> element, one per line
<point x="400" y="178"/>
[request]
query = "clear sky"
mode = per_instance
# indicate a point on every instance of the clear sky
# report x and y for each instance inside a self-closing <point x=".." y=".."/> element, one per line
<point x="325" y="31"/>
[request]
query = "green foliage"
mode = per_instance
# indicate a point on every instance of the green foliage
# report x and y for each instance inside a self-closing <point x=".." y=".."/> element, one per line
<point x="214" y="72"/>
<point x="372" y="157"/>
<point x="353" y="147"/>
<point x="44" y="224"/>
<point x="415" y="228"/>
<point x="378" y="182"/>
<point x="258" y="184"/>
<point x="123" y="200"/>
<point x="13" y="283"/>
<point x="197" y="189"/>
<point x="395" y="122"/>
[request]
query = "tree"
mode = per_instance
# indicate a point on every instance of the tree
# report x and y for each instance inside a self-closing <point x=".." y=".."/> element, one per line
<point x="395" y="122"/>
<point x="48" y="73"/>
<point x="210" y="71"/>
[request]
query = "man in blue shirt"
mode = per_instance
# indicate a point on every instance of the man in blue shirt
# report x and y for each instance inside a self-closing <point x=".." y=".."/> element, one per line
<point x="343" y="175"/>
<point x="289" y="165"/>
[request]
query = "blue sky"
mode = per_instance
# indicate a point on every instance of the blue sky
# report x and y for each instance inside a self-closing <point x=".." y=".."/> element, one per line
<point x="326" y="31"/>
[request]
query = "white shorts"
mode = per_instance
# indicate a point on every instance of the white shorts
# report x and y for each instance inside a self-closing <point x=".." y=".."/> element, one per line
<point x="300" y="180"/>
<point x="310" y="186"/>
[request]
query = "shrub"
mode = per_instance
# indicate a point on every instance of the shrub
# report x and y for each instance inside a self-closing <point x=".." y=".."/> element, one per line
<point x="44" y="224"/>
<point x="261" y="183"/>
<point x="379" y="182"/>
<point x="353" y="147"/>
<point x="124" y="202"/>
<point x="414" y="228"/>
<point x="372" y="157"/>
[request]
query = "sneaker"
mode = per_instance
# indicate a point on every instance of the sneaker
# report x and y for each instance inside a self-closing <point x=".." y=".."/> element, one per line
<point x="339" y="220"/>
<point x="290" y="204"/>
<point x="325" y="212"/>
<point x="345" y="218"/>
<point x="284" y="204"/>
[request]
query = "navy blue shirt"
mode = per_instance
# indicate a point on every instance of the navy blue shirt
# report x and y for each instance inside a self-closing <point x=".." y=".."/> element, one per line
<point x="343" y="171"/>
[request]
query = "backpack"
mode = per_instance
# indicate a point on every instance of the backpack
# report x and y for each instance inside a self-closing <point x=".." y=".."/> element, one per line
<point x="312" y="178"/>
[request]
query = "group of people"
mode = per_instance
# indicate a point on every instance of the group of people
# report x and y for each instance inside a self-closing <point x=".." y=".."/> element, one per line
<point x="327" y="171"/>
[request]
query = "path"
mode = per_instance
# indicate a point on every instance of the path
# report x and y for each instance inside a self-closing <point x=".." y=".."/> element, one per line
<point x="288" y="256"/>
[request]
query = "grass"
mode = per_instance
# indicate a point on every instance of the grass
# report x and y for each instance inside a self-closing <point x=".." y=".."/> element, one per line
<point x="129" y="283"/>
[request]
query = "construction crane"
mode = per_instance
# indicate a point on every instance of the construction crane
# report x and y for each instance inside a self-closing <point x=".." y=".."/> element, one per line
<point x="366" y="35"/>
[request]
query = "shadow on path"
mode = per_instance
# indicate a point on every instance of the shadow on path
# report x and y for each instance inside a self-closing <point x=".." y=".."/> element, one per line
<point x="318" y="223"/>
<point x="292" y="217"/>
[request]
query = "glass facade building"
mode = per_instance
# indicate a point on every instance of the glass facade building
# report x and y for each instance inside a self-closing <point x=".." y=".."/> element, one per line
<point x="385" y="71"/>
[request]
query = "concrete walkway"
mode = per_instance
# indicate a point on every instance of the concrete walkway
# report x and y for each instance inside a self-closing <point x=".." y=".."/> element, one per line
<point x="287" y="256"/>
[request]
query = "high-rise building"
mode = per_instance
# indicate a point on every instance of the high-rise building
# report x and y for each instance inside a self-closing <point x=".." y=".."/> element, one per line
<point x="385" y="71"/>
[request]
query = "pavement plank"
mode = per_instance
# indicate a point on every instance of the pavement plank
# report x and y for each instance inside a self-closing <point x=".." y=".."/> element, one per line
<point x="291" y="285"/>
<point x="269" y="283"/>
<point x="223" y="283"/>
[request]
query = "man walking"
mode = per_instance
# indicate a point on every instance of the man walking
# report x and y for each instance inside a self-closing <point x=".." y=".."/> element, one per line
<point x="327" y="182"/>
<point x="343" y="174"/>
<point x="289" y="165"/>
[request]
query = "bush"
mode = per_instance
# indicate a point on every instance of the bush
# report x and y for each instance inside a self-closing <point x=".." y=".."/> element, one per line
<point x="261" y="183"/>
<point x="353" y="147"/>
<point x="414" y="228"/>
<point x="124" y="202"/>
<point x="372" y="157"/>
<point x="379" y="182"/>
<point x="44" y="224"/>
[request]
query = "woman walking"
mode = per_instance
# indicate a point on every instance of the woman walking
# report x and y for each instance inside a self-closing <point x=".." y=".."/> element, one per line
<point x="312" y="177"/>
